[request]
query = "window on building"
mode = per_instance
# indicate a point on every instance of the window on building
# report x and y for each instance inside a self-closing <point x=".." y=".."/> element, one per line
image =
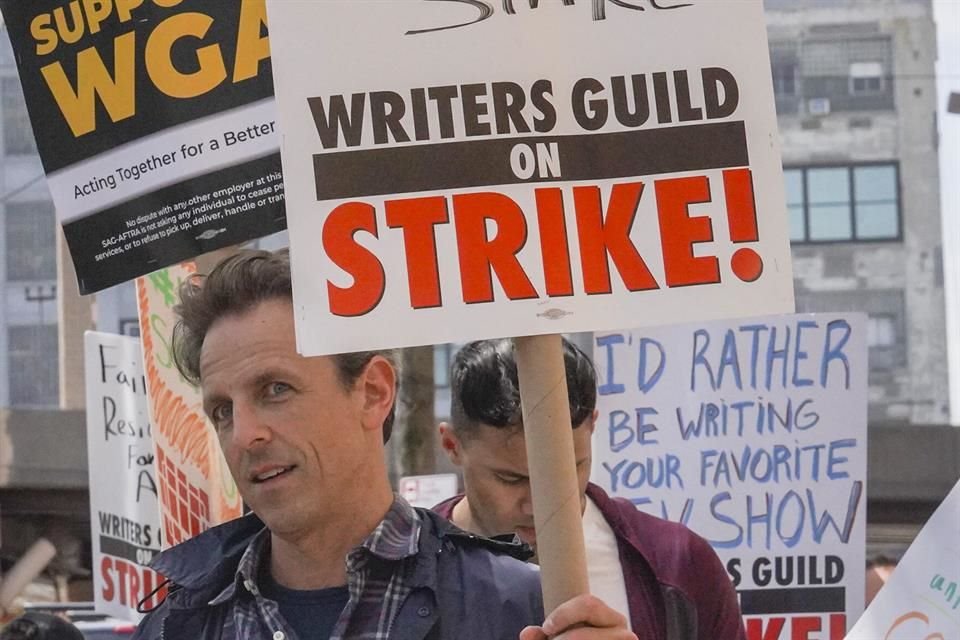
<point x="31" y="241"/>
<point x="885" y="341"/>
<point x="785" y="77"/>
<point x="828" y="204"/>
<point x="850" y="73"/>
<point x="866" y="78"/>
<point x="877" y="199"/>
<point x="881" y="331"/>
<point x="33" y="365"/>
<point x="785" y="69"/>
<point x="842" y="203"/>
<point x="17" y="134"/>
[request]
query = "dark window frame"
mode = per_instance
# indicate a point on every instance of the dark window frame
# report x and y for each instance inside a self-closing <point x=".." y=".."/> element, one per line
<point x="894" y="328"/>
<point x="37" y="383"/>
<point x="18" y="136"/>
<point x="37" y="220"/>
<point x="786" y="78"/>
<point x="853" y="202"/>
<point x="866" y="89"/>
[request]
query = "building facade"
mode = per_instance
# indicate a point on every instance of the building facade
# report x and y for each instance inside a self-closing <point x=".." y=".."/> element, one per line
<point x="856" y="103"/>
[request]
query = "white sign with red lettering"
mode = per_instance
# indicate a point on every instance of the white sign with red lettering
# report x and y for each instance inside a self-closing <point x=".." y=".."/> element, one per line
<point x="484" y="169"/>
<point x="124" y="513"/>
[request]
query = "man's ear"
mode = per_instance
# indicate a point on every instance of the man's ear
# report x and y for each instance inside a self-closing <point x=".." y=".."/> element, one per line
<point x="378" y="384"/>
<point x="592" y="420"/>
<point x="451" y="444"/>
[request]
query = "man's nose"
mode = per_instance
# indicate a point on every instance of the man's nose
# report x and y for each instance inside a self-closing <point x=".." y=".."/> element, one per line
<point x="526" y="502"/>
<point x="249" y="428"/>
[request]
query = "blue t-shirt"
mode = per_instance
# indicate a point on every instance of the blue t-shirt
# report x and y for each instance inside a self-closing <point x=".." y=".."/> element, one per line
<point x="312" y="614"/>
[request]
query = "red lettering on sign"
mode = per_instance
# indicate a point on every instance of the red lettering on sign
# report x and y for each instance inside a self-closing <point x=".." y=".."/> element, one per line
<point x="128" y="584"/>
<point x="742" y="222"/>
<point x="838" y="626"/>
<point x="554" y="247"/>
<point x="757" y="631"/>
<point x="601" y="237"/>
<point x="108" y="588"/>
<point x="491" y="229"/>
<point x="418" y="217"/>
<point x="481" y="256"/>
<point x="679" y="231"/>
<point x="342" y="248"/>
<point x="802" y="626"/>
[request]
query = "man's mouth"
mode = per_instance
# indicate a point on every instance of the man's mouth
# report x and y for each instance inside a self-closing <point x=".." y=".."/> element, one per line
<point x="271" y="473"/>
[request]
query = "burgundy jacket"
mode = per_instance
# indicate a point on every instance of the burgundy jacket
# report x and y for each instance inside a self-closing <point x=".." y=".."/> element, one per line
<point x="677" y="588"/>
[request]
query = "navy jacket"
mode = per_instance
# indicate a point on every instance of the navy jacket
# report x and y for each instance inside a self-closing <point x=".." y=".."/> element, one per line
<point x="465" y="587"/>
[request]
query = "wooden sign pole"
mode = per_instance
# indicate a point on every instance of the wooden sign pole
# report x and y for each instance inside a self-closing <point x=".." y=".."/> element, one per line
<point x="553" y="472"/>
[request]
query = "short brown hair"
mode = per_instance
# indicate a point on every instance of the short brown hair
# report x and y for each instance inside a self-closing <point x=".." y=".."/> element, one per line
<point x="235" y="286"/>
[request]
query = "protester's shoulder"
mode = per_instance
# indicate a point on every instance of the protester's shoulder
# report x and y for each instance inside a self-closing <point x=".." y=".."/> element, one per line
<point x="502" y="560"/>
<point x="476" y="575"/>
<point x="211" y="556"/>
<point x="683" y="563"/>
<point x="670" y="541"/>
<point x="456" y="539"/>
<point x="676" y="554"/>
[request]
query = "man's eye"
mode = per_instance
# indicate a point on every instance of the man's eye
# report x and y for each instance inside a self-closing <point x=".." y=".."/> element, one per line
<point x="510" y="480"/>
<point x="221" y="414"/>
<point x="277" y="388"/>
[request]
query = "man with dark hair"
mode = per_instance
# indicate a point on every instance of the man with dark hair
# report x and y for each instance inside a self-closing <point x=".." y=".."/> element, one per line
<point x="35" y="625"/>
<point x="660" y="575"/>
<point x="329" y="551"/>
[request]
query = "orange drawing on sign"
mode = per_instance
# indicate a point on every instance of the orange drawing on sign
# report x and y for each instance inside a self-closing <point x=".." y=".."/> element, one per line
<point x="907" y="617"/>
<point x="182" y="427"/>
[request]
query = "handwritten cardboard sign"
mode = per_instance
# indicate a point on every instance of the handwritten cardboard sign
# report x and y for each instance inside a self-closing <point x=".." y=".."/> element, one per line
<point x="753" y="434"/>
<point x="156" y="125"/>
<point x="922" y="598"/>
<point x="124" y="512"/>
<point x="196" y="488"/>
<point x="483" y="169"/>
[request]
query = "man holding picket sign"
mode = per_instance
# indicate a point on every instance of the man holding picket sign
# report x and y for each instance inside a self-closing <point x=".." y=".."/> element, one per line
<point x="330" y="551"/>
<point x="465" y="170"/>
<point x="664" y="578"/>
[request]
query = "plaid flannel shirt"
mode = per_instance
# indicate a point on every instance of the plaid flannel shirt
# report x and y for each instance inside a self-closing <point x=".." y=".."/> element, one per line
<point x="378" y="573"/>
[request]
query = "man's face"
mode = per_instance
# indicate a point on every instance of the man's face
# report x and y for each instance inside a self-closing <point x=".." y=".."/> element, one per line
<point x="295" y="439"/>
<point x="496" y="477"/>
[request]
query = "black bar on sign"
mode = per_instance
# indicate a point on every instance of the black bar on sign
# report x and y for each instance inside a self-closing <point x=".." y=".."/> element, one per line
<point x="125" y="550"/>
<point x="474" y="163"/>
<point x="755" y="602"/>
